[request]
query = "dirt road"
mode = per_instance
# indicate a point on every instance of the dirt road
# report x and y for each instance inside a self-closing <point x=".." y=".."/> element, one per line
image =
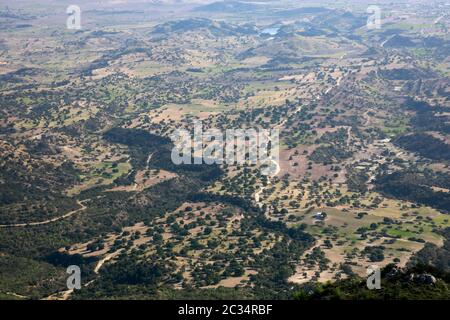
<point x="38" y="223"/>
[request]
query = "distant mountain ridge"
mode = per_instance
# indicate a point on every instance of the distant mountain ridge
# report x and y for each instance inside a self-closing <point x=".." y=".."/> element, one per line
<point x="228" y="6"/>
<point x="218" y="28"/>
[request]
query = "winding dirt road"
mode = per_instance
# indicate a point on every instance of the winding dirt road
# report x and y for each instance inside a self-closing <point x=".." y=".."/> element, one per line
<point x="38" y="223"/>
<point x="108" y="257"/>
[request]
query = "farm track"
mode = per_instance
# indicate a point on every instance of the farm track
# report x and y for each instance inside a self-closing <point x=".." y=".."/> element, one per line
<point x="38" y="223"/>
